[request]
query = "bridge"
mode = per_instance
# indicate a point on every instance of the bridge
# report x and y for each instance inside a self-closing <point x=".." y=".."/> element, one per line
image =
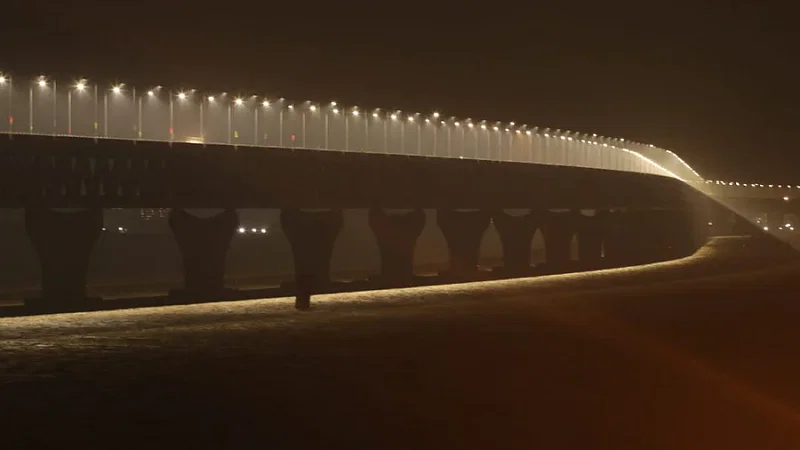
<point x="84" y="146"/>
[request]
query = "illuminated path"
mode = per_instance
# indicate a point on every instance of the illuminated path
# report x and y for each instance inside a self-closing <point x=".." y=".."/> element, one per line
<point x="631" y="358"/>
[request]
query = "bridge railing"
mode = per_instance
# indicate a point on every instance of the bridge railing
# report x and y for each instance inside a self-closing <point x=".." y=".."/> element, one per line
<point x="50" y="107"/>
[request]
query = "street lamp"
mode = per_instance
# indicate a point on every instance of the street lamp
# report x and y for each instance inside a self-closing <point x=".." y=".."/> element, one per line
<point x="3" y="80"/>
<point x="80" y="86"/>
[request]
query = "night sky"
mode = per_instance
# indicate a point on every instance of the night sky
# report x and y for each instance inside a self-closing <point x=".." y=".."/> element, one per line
<point x="717" y="85"/>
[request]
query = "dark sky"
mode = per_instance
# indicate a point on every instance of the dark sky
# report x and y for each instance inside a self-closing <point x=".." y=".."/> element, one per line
<point x="717" y="85"/>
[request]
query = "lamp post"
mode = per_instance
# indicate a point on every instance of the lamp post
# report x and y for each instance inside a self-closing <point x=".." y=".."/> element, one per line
<point x="449" y="139"/>
<point x="280" y="124"/>
<point x="55" y="107"/>
<point x="385" y="134"/>
<point x="105" y="114"/>
<point x="96" y="100"/>
<point x="10" y="80"/>
<point x="419" y="137"/>
<point x="255" y="123"/>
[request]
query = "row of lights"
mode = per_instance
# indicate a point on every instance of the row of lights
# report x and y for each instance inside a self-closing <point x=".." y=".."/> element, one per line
<point x="117" y="89"/>
<point x="243" y="230"/>
<point x="736" y="183"/>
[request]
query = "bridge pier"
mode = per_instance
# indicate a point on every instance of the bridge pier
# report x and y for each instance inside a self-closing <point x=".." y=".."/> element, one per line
<point x="397" y="236"/>
<point x="557" y="230"/>
<point x="463" y="232"/>
<point x="204" y="244"/>
<point x="311" y="235"/>
<point x="516" y="234"/>
<point x="589" y="230"/>
<point x="64" y="242"/>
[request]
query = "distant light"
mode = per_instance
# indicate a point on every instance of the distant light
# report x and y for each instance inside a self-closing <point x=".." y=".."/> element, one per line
<point x="483" y="126"/>
<point x="182" y="96"/>
<point x="410" y="118"/>
<point x="786" y="199"/>
<point x="355" y="112"/>
<point x="2" y="79"/>
<point x="333" y="103"/>
<point x="263" y="231"/>
<point x="239" y="101"/>
<point x="336" y="110"/>
<point x="116" y="89"/>
<point x="120" y="228"/>
<point x="394" y="116"/>
<point x="496" y="128"/>
<point x="242" y="230"/>
<point x="710" y="223"/>
<point x="766" y="228"/>
<point x="528" y="132"/>
<point x="210" y="98"/>
<point x="788" y="225"/>
<point x="507" y="129"/>
<point x="42" y="83"/>
<point x="511" y="123"/>
<point x="427" y="120"/>
<point x="436" y="115"/>
<point x="375" y="115"/>
<point x="470" y="125"/>
<point x="80" y="86"/>
<point x="444" y="123"/>
<point x="265" y="103"/>
<point x="291" y="106"/>
<point x="254" y="230"/>
<point x="518" y="131"/>
<point x="569" y="138"/>
<point x="312" y="108"/>
<point x="150" y="93"/>
<point x="563" y="137"/>
<point x="457" y="124"/>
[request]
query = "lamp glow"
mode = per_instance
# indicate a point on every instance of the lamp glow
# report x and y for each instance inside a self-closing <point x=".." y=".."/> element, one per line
<point x="394" y="116"/>
<point x="42" y="83"/>
<point x="312" y="108"/>
<point x="436" y="115"/>
<point x="116" y="89"/>
<point x="239" y="101"/>
<point x="336" y="110"/>
<point x="150" y="93"/>
<point x="80" y="86"/>
<point x="182" y="96"/>
<point x="2" y="79"/>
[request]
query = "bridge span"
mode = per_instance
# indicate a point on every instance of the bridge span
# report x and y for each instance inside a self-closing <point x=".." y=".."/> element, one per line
<point x="86" y="147"/>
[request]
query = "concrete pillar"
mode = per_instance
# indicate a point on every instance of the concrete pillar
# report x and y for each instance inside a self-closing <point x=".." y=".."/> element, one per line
<point x="397" y="236"/>
<point x="311" y="235"/>
<point x="589" y="230"/>
<point x="516" y="234"/>
<point x="204" y="244"/>
<point x="463" y="232"/>
<point x="64" y="243"/>
<point x="557" y="230"/>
